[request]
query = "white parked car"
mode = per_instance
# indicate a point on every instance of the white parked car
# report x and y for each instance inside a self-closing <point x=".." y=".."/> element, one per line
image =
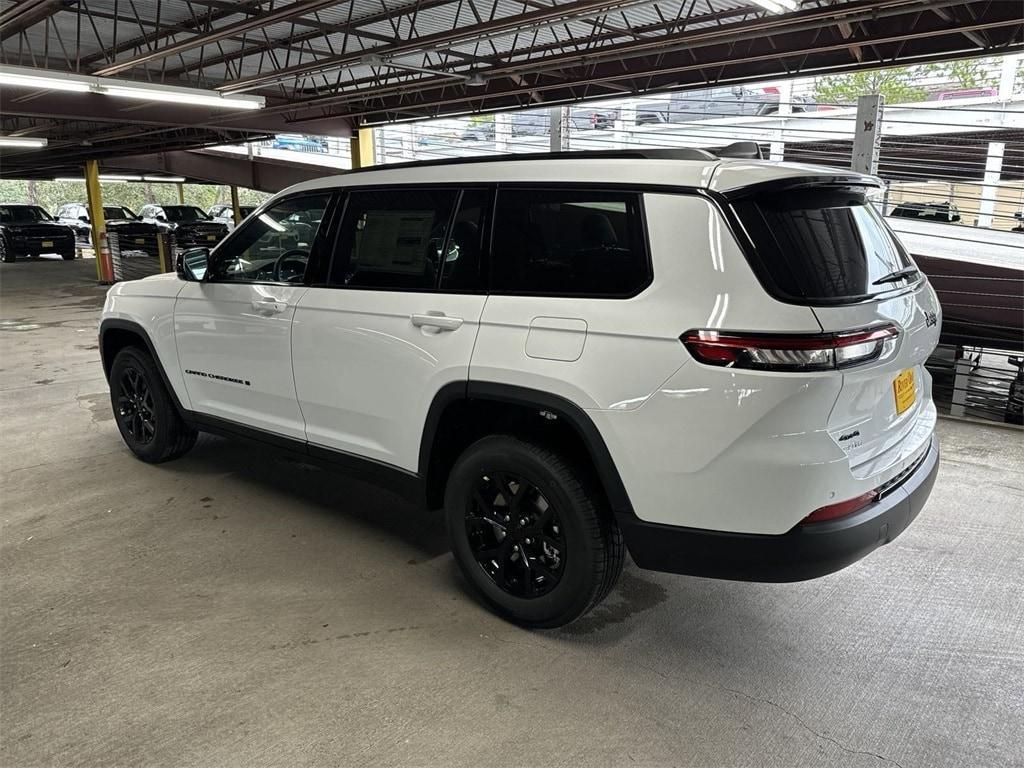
<point x="715" y="364"/>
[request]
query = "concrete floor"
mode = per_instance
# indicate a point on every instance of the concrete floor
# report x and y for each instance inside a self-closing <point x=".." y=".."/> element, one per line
<point x="235" y="609"/>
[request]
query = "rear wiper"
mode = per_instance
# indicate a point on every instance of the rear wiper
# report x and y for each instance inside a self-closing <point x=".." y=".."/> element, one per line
<point x="899" y="274"/>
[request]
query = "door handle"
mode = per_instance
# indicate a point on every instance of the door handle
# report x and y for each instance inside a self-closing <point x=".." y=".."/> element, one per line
<point x="436" y="320"/>
<point x="269" y="306"/>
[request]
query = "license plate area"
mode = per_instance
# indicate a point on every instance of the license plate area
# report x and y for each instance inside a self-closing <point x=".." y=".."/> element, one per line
<point x="904" y="391"/>
<point x="47" y="244"/>
<point x="211" y="237"/>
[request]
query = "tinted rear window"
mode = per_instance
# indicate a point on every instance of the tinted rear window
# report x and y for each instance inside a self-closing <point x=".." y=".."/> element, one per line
<point x="821" y="245"/>
<point x="569" y="243"/>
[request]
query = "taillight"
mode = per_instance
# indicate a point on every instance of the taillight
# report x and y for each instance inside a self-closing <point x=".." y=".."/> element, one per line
<point x="790" y="352"/>
<point x="842" y="509"/>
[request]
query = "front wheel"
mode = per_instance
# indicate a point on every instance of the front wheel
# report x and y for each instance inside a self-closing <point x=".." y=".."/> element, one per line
<point x="6" y="254"/>
<point x="530" y="532"/>
<point x="147" y="418"/>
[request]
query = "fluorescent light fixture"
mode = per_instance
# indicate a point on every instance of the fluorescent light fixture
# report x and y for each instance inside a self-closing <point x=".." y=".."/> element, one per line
<point x="26" y="77"/>
<point x="103" y="177"/>
<point x="779" y="6"/>
<point x="183" y="96"/>
<point x="22" y="141"/>
<point x="169" y="179"/>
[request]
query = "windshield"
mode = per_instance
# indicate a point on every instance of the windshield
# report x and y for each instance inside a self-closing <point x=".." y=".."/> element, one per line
<point x="184" y="213"/>
<point x="22" y="214"/>
<point x="822" y="244"/>
<point x="117" y="212"/>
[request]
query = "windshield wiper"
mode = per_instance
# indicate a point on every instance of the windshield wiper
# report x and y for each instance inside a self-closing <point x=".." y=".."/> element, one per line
<point x="899" y="274"/>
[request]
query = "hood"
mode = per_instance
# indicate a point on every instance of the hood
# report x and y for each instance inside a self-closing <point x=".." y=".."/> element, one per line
<point x="41" y="227"/>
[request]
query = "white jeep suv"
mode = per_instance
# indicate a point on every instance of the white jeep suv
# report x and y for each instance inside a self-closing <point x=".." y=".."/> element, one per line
<point x="716" y="364"/>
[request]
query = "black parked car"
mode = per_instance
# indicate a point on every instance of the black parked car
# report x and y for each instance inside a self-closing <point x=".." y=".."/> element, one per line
<point x="133" y="234"/>
<point x="938" y="211"/>
<point x="192" y="228"/>
<point x="28" y="230"/>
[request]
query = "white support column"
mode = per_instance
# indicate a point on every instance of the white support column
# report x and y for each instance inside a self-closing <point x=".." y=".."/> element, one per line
<point x="625" y="125"/>
<point x="502" y="132"/>
<point x="1008" y="77"/>
<point x="777" y="150"/>
<point x="867" y="134"/>
<point x="990" y="189"/>
<point x="559" y="120"/>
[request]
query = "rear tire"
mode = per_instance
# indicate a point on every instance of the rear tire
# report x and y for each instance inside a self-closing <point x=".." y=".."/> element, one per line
<point x="6" y="254"/>
<point x="531" y="533"/>
<point x="146" y="416"/>
<point x="68" y="255"/>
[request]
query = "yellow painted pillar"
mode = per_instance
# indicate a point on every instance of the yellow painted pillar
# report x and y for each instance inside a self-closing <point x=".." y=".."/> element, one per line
<point x="181" y="194"/>
<point x="236" y="212"/>
<point x="104" y="271"/>
<point x="161" y="253"/>
<point x="362" y="148"/>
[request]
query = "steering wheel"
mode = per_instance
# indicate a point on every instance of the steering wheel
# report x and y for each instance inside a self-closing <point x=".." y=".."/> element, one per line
<point x="290" y="266"/>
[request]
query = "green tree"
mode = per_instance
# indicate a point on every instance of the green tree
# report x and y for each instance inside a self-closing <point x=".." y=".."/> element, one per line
<point x="973" y="73"/>
<point x="899" y="85"/>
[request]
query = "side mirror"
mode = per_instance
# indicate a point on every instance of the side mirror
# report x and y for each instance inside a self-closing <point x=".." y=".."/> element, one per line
<point x="191" y="265"/>
<point x="84" y="219"/>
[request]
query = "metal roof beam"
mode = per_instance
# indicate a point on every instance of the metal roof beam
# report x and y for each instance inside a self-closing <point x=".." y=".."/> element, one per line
<point x="322" y="30"/>
<point x="26" y="13"/>
<point x="469" y="32"/>
<point x="662" y="74"/>
<point x="255" y="21"/>
<point x="762" y="28"/>
<point x="164" y="30"/>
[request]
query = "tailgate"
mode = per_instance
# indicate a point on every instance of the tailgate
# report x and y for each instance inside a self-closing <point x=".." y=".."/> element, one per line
<point x="825" y="246"/>
<point x="884" y="413"/>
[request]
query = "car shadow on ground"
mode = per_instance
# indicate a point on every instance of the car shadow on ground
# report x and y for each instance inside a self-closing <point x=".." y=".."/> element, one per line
<point x="323" y="491"/>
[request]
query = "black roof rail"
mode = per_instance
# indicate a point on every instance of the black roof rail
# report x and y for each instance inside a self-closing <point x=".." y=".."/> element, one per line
<point x="739" y="149"/>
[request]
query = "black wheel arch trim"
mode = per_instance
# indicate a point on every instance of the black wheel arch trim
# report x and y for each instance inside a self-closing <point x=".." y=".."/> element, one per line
<point x="113" y="323"/>
<point x="565" y="409"/>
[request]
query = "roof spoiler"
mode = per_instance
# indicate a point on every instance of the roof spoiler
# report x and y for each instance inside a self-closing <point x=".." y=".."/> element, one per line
<point x="741" y="150"/>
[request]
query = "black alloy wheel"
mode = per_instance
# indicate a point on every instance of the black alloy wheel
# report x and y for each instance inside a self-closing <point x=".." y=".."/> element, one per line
<point x="135" y="406"/>
<point x="531" y="530"/>
<point x="147" y="416"/>
<point x="515" y="535"/>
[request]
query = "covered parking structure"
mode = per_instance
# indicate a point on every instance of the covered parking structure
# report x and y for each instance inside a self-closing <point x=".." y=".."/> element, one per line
<point x="328" y="68"/>
<point x="239" y="607"/>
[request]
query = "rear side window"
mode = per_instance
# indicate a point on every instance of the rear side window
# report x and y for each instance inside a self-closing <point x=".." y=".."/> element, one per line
<point x="393" y="239"/>
<point x="569" y="243"/>
<point x="821" y="245"/>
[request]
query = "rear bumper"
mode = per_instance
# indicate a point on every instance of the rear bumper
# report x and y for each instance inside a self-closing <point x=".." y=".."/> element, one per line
<point x="805" y="552"/>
